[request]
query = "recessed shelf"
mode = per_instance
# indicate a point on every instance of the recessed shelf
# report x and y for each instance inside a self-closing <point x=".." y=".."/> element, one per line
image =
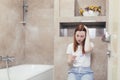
<point x="85" y="3"/>
<point x="88" y="24"/>
<point x="96" y="28"/>
<point x="83" y="19"/>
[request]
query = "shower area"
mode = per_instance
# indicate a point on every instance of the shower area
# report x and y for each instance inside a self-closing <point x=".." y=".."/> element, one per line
<point x="26" y="30"/>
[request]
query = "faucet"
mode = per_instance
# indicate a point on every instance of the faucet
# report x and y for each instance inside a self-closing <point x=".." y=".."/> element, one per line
<point x="7" y="58"/>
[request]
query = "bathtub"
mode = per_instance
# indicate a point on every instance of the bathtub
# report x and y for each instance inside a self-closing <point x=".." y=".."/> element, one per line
<point x="28" y="72"/>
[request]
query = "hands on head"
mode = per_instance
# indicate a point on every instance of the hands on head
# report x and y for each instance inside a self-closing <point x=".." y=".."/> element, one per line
<point x="86" y="28"/>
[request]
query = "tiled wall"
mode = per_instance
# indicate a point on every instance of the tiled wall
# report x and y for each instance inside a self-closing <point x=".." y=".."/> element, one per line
<point x="11" y="31"/>
<point x="114" y="29"/>
<point x="99" y="57"/>
<point x="39" y="35"/>
<point x="32" y="43"/>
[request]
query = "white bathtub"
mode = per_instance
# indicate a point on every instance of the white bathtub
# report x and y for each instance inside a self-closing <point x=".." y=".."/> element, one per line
<point x="28" y="72"/>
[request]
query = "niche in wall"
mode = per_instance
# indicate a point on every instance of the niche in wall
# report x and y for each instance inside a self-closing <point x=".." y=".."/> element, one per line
<point x="96" y="29"/>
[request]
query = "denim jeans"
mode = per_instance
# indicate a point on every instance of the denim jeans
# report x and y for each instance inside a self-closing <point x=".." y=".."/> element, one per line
<point x="81" y="73"/>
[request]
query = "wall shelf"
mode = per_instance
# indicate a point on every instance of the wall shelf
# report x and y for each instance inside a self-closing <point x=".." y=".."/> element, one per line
<point x="67" y="28"/>
<point x="88" y="24"/>
<point x="83" y="19"/>
<point x="85" y="3"/>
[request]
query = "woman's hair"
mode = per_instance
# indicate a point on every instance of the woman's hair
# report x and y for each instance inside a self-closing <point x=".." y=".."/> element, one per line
<point x="80" y="27"/>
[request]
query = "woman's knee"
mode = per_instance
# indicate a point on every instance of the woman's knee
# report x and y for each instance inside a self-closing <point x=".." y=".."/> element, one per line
<point x="87" y="77"/>
<point x="71" y="76"/>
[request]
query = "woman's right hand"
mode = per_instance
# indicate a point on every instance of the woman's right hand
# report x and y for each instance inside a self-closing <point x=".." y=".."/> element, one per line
<point x="86" y="28"/>
<point x="71" y="59"/>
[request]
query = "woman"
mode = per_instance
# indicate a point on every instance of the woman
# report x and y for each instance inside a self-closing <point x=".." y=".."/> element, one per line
<point x="79" y="55"/>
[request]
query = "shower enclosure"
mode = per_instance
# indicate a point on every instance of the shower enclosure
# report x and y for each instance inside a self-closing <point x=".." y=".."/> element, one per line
<point x="25" y="25"/>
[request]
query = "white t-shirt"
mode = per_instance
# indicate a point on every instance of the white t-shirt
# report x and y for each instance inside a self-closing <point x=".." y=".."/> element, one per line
<point x="81" y="60"/>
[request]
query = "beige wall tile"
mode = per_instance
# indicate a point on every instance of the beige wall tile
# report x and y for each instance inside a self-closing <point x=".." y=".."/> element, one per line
<point x="32" y="43"/>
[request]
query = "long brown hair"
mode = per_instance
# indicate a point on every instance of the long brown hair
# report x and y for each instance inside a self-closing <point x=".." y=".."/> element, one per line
<point x="80" y="27"/>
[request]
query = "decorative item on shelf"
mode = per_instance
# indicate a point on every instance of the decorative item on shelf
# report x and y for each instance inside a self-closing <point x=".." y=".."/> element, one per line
<point x="90" y="11"/>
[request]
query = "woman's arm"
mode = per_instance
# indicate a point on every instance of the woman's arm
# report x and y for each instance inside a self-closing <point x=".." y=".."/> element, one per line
<point x="71" y="59"/>
<point x="87" y="47"/>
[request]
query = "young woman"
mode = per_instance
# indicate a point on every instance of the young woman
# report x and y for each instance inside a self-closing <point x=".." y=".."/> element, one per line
<point x="79" y="55"/>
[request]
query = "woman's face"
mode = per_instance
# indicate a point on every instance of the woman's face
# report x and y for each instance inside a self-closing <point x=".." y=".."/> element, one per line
<point x="80" y="36"/>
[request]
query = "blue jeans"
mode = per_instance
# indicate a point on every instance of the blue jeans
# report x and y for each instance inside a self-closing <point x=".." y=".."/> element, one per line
<point x="80" y="73"/>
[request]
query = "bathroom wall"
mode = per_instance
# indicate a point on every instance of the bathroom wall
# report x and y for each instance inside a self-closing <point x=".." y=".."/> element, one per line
<point x="109" y="71"/>
<point x="33" y="42"/>
<point x="39" y="35"/>
<point x="11" y="30"/>
<point x="114" y="30"/>
<point x="60" y="57"/>
<point x="99" y="57"/>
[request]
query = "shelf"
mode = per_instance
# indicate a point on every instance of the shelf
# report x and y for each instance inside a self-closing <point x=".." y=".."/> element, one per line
<point x="67" y="28"/>
<point x="85" y="3"/>
<point x="89" y="24"/>
<point x="83" y="19"/>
